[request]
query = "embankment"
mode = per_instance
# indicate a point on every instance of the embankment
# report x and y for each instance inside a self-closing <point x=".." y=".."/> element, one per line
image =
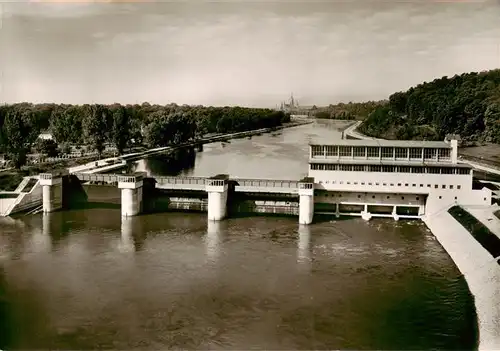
<point x="480" y="270"/>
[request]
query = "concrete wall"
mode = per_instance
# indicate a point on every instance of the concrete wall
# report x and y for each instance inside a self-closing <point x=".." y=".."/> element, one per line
<point x="29" y="200"/>
<point x="401" y="182"/>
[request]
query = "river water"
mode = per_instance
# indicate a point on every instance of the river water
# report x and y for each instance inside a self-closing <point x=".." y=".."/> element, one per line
<point x="85" y="279"/>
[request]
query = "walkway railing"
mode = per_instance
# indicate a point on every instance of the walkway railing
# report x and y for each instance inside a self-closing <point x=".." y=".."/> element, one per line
<point x="107" y="178"/>
<point x="196" y="181"/>
<point x="267" y="183"/>
<point x="181" y="180"/>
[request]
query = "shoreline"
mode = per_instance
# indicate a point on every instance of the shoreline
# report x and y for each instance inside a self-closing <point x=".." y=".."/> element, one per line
<point x="479" y="269"/>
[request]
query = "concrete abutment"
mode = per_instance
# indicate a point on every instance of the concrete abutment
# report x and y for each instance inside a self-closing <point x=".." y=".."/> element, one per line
<point x="52" y="192"/>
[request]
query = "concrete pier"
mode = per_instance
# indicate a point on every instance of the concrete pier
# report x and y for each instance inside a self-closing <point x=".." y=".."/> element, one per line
<point x="306" y="201"/>
<point x="52" y="191"/>
<point x="217" y="189"/>
<point x="131" y="187"/>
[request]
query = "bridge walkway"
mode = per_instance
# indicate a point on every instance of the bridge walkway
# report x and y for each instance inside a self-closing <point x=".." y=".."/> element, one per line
<point x="200" y="183"/>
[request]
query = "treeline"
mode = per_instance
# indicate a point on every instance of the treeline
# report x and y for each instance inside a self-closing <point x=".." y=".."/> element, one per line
<point x="349" y="111"/>
<point x="121" y="125"/>
<point x="466" y="104"/>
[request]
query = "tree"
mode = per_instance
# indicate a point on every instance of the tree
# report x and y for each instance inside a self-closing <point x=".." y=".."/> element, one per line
<point x="18" y="134"/>
<point x="94" y="127"/>
<point x="121" y="128"/>
<point x="47" y="147"/>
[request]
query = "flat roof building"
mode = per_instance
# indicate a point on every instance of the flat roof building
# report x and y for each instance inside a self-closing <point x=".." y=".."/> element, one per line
<point x="402" y="179"/>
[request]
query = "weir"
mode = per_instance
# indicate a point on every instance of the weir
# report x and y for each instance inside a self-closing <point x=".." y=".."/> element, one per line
<point x="366" y="178"/>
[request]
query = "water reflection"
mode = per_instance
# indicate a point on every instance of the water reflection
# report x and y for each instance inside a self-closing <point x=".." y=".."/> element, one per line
<point x="41" y="241"/>
<point x="304" y="247"/>
<point x="213" y="240"/>
<point x="127" y="235"/>
<point x="176" y="163"/>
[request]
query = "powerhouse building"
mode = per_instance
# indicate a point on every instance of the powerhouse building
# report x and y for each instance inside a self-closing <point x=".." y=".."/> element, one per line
<point x="390" y="178"/>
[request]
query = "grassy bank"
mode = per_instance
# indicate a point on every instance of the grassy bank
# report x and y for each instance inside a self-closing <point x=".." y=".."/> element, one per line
<point x="9" y="180"/>
<point x="478" y="230"/>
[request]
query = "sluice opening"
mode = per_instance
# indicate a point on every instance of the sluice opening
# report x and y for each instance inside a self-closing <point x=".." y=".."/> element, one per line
<point x="379" y="209"/>
<point x="407" y="210"/>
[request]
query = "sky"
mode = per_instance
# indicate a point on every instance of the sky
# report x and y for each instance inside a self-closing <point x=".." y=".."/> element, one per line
<point x="233" y="52"/>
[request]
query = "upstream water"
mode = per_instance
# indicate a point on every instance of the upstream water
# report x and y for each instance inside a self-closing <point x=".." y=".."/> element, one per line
<point x="86" y="279"/>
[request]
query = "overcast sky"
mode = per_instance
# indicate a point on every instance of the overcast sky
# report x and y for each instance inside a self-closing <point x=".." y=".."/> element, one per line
<point x="239" y="52"/>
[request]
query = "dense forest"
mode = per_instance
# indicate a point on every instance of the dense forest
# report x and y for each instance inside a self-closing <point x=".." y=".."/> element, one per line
<point x="466" y="104"/>
<point x="349" y="111"/>
<point x="120" y="125"/>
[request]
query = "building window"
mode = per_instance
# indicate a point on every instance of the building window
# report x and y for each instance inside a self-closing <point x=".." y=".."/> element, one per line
<point x="355" y="183"/>
<point x="363" y="183"/>
<point x="436" y="186"/>
<point x="392" y="184"/>
<point x="373" y="152"/>
<point x="373" y="196"/>
<point x="447" y="170"/>
<point x="417" y="169"/>
<point x="430" y="154"/>
<point x="444" y="154"/>
<point x="440" y="197"/>
<point x="484" y="198"/>
<point x="369" y="183"/>
<point x="358" y="168"/>
<point x="359" y="151"/>
<point x="451" y="186"/>
<point x="359" y="196"/>
<point x="428" y="185"/>
<point x="384" y="184"/>
<point x="456" y="198"/>
<point x="433" y="170"/>
<point x="345" y="151"/>
<point x="388" y="169"/>
<point x="404" y="169"/>
<point x="402" y="197"/>
<point x="459" y="187"/>
<point x="402" y="153"/>
<point x="406" y="184"/>
<point x="421" y="185"/>
<point x="348" y="183"/>
<point x="388" y="197"/>
<point x="375" y="168"/>
<point x="399" y="184"/>
<point x="415" y="153"/>
<point x="463" y="171"/>
<point x="331" y="150"/>
<point x="417" y="198"/>
<point x="443" y="186"/>
<point x="387" y="152"/>
<point x="414" y="185"/>
<point x="345" y="168"/>
<point x="377" y="184"/>
<point x="316" y="150"/>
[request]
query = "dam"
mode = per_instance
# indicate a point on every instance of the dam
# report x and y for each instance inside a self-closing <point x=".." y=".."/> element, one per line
<point x="366" y="178"/>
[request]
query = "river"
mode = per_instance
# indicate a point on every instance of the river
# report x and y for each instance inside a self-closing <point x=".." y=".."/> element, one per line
<point x="85" y="279"/>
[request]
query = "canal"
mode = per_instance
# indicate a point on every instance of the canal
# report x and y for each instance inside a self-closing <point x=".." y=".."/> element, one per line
<point x="85" y="279"/>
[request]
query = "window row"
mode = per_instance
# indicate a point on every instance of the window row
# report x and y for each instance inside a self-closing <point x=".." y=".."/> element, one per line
<point x="412" y="153"/>
<point x="388" y="168"/>
<point x="413" y="185"/>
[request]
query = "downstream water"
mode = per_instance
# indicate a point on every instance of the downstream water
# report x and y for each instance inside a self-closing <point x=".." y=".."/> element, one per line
<point x="85" y="279"/>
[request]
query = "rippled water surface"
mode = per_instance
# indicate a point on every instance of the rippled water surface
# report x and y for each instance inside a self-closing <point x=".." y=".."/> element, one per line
<point x="86" y="279"/>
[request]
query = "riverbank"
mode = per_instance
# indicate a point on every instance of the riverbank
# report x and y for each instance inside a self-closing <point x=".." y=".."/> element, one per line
<point x="10" y="179"/>
<point x="480" y="270"/>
